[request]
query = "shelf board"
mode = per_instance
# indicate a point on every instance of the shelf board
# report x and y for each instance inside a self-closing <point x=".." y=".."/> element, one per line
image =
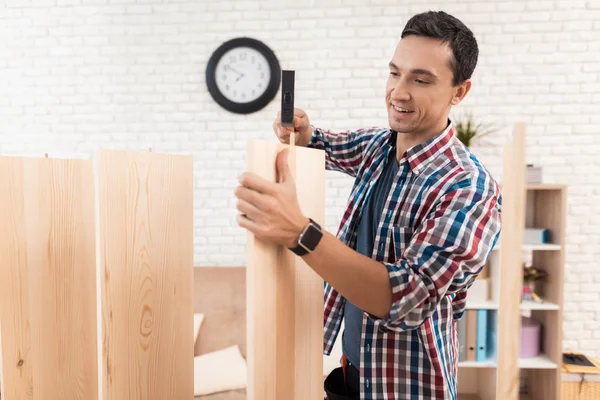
<point x="544" y="186"/>
<point x="478" y="364"/>
<point x="481" y="305"/>
<point x="537" y="247"/>
<point x="540" y="362"/>
<point x="544" y="247"/>
<point x="525" y="305"/>
<point x="533" y="306"/>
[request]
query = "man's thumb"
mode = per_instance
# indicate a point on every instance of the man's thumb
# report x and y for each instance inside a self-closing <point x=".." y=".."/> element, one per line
<point x="283" y="169"/>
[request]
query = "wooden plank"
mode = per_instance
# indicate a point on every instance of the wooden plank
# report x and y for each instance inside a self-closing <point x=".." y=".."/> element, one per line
<point x="513" y="225"/>
<point x="145" y="264"/>
<point x="550" y="212"/>
<point x="284" y="295"/>
<point x="47" y="279"/>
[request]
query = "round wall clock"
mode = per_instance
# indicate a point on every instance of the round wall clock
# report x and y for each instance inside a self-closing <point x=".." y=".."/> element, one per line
<point x="243" y="75"/>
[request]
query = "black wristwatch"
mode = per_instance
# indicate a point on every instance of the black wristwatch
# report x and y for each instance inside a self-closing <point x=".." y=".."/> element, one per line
<point x="309" y="239"/>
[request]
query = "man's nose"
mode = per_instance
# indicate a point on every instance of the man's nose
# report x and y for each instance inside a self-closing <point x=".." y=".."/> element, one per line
<point x="400" y="92"/>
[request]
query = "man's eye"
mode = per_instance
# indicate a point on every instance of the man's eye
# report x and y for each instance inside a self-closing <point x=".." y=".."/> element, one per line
<point x="421" y="82"/>
<point x="394" y="73"/>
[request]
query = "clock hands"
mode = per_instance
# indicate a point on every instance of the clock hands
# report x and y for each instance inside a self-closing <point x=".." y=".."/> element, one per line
<point x="240" y="74"/>
<point x="227" y="66"/>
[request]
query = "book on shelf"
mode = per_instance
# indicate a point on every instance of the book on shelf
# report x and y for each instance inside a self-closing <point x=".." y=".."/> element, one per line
<point x="477" y="337"/>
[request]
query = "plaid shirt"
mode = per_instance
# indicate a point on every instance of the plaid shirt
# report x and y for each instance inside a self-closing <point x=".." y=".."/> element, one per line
<point x="439" y="223"/>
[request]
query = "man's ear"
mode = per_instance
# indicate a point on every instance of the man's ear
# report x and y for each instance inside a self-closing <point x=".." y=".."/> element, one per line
<point x="461" y="91"/>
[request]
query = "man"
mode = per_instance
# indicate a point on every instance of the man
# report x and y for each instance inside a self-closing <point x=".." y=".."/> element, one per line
<point x="421" y="220"/>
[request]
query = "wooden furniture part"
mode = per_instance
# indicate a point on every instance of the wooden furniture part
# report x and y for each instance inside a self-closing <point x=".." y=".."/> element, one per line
<point x="524" y="206"/>
<point x="549" y="210"/>
<point x="511" y="283"/>
<point x="145" y="266"/>
<point x="47" y="279"/>
<point x="284" y="295"/>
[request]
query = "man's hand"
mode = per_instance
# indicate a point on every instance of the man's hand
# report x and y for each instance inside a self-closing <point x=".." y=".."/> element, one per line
<point x="301" y="127"/>
<point x="270" y="210"/>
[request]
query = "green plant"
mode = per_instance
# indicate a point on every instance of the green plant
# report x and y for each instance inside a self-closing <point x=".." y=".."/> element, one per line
<point x="533" y="274"/>
<point x="467" y="130"/>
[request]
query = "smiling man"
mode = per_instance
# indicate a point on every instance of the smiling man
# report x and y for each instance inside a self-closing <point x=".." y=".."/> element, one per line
<point x="421" y="220"/>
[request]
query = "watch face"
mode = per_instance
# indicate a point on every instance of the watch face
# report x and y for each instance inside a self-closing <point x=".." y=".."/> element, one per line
<point x="311" y="237"/>
<point x="242" y="74"/>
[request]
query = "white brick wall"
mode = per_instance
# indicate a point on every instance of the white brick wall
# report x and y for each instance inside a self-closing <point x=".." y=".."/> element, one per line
<point x="77" y="75"/>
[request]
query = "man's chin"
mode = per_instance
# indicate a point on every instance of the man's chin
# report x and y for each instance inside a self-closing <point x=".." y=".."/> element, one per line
<point x="401" y="128"/>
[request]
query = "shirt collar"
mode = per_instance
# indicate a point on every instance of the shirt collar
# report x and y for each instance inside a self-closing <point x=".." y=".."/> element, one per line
<point x="420" y="155"/>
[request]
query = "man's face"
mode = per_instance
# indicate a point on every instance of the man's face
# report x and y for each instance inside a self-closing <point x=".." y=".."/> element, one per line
<point x="419" y="90"/>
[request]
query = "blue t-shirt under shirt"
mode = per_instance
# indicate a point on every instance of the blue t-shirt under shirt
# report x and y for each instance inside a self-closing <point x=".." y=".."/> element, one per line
<point x="367" y="230"/>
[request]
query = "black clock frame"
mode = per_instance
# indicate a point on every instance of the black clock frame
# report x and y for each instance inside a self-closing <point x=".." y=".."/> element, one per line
<point x="272" y="87"/>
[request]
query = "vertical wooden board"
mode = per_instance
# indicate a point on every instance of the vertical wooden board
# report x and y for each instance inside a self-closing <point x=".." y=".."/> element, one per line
<point x="310" y="183"/>
<point x="47" y="279"/>
<point x="145" y="266"/>
<point x="513" y="224"/>
<point x="270" y="365"/>
<point x="284" y="295"/>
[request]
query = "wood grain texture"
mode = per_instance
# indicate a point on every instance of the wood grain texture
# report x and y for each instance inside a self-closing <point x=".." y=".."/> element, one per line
<point x="550" y="212"/>
<point x="284" y="295"/>
<point x="47" y="279"/>
<point x="513" y="226"/>
<point x="145" y="266"/>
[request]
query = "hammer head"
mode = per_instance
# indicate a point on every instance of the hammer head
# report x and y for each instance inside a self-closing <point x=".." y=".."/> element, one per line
<point x="287" y="98"/>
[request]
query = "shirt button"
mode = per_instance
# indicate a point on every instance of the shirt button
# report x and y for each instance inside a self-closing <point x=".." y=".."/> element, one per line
<point x="367" y="381"/>
<point x="381" y="246"/>
<point x="368" y="347"/>
<point x="389" y="214"/>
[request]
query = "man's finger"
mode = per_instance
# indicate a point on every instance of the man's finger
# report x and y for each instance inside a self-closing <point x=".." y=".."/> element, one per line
<point x="255" y="182"/>
<point x="252" y="197"/>
<point x="249" y="210"/>
<point x="244" y="222"/>
<point x="283" y="169"/>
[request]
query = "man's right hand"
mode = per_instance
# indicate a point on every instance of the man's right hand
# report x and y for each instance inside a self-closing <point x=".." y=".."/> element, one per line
<point x="301" y="127"/>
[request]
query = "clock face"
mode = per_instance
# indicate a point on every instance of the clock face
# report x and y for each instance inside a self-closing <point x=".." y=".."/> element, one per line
<point x="242" y="74"/>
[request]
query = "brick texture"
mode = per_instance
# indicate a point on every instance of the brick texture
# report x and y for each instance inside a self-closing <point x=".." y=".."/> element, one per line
<point x="78" y="75"/>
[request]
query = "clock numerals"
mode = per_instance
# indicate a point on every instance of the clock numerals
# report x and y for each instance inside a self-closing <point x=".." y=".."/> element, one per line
<point x="242" y="75"/>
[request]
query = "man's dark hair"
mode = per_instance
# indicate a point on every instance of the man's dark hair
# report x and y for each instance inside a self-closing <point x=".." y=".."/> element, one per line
<point x="450" y="30"/>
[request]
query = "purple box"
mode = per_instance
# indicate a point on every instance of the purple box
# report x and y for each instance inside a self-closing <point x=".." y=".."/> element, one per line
<point x="530" y="338"/>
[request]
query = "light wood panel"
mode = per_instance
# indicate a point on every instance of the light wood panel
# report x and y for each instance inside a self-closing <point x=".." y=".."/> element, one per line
<point x="550" y="212"/>
<point x="513" y="225"/>
<point x="145" y="267"/>
<point x="284" y="295"/>
<point x="47" y="279"/>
